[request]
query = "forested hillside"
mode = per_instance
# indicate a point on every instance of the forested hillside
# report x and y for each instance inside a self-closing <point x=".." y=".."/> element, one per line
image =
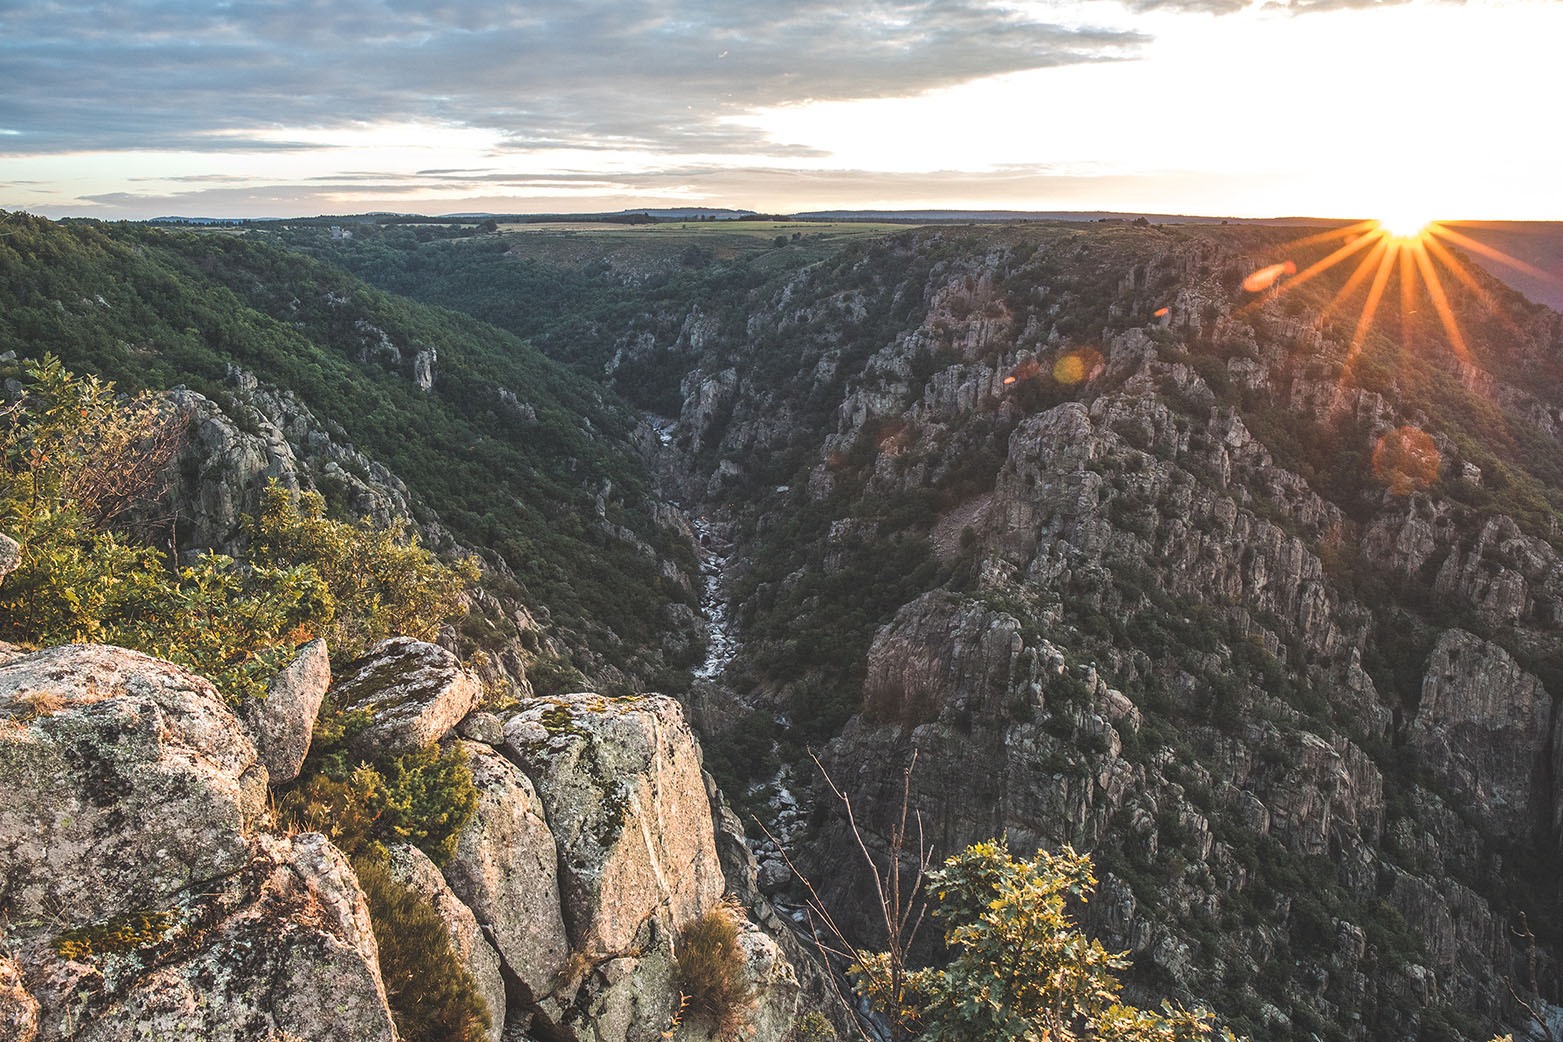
<point x="1139" y="547"/>
<point x="1140" y="539"/>
<point x="514" y="455"/>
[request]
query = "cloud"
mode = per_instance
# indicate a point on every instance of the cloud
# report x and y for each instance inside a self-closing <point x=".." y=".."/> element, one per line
<point x="1203" y="6"/>
<point x="1028" y="186"/>
<point x="1220" y="7"/>
<point x="664" y="75"/>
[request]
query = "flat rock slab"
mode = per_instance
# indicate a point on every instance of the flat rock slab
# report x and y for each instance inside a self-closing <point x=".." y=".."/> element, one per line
<point x="413" y="691"/>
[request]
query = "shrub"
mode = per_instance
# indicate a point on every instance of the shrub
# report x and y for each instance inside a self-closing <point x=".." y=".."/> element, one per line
<point x="1019" y="966"/>
<point x="813" y="1026"/>
<point x="710" y="970"/>
<point x="75" y="460"/>
<point x="382" y="582"/>
<point x="432" y="996"/>
<point x="423" y="798"/>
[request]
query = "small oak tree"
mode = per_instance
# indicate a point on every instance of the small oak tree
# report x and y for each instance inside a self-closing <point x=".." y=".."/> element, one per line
<point x="1020" y="969"/>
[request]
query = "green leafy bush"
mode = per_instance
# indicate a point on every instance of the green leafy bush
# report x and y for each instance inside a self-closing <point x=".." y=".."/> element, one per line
<point x="381" y="582"/>
<point x="432" y="996"/>
<point x="1020" y="968"/>
<point x="81" y="464"/>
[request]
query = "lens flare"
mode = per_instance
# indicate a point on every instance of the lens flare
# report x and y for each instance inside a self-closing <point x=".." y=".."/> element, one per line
<point x="1076" y="366"/>
<point x="1406" y="226"/>
<point x="1408" y="244"/>
<point x="1264" y="278"/>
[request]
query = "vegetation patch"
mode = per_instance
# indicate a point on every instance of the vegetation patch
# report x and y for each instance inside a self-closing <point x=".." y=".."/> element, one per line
<point x="432" y="996"/>
<point x="424" y="798"/>
<point x="121" y="935"/>
<point x="710" y="969"/>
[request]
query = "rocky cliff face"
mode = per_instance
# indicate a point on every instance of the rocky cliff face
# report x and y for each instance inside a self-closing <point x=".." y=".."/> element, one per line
<point x="147" y="894"/>
<point x="263" y="434"/>
<point x="1139" y="561"/>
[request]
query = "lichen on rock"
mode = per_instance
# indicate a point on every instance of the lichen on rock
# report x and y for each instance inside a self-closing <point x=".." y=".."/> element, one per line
<point x="414" y="692"/>
<point x="624" y="795"/>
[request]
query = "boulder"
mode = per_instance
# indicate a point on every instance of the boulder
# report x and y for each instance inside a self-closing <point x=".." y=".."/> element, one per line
<point x="280" y="949"/>
<point x="126" y="779"/>
<point x="774" y="876"/>
<point x="620" y="781"/>
<point x="635" y="998"/>
<point x="773" y="986"/>
<point x="629" y="998"/>
<point x="482" y="727"/>
<point x="141" y="901"/>
<point x="282" y="724"/>
<point x="414" y="692"/>
<point x="505" y="870"/>
<point x="412" y="868"/>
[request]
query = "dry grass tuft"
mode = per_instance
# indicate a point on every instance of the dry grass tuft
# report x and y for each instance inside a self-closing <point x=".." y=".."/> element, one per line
<point x="711" y="971"/>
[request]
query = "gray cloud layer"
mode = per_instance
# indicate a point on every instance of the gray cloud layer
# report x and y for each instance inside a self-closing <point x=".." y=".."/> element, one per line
<point x="759" y="187"/>
<point x="606" y="73"/>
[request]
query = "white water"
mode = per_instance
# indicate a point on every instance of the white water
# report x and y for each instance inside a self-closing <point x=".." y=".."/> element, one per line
<point x="724" y="644"/>
<point x="714" y="553"/>
<point x="788" y="816"/>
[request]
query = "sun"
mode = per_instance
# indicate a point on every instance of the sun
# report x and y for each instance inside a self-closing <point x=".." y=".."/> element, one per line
<point x="1406" y="241"/>
<point x="1408" y="225"/>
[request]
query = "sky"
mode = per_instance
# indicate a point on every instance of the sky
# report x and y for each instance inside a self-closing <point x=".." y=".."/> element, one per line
<point x="1418" y="109"/>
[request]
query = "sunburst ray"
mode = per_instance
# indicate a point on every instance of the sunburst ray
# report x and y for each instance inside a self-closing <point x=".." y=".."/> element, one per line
<point x="1435" y="290"/>
<point x="1370" y="306"/>
<point x="1363" y="270"/>
<point x="1491" y="253"/>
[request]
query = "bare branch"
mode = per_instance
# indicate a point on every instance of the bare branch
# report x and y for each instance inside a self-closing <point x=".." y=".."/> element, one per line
<point x="902" y="914"/>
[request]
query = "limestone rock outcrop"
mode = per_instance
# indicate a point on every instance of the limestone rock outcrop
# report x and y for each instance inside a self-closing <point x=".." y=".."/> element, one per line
<point x="126" y="779"/>
<point x="1483" y="727"/>
<point x="281" y="948"/>
<point x="1128" y="467"/>
<point x="413" y="691"/>
<point x="506" y="870"/>
<point x="592" y="845"/>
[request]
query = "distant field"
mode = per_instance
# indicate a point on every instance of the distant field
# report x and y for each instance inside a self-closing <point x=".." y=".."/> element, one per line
<point x="747" y="229"/>
<point x="634" y="245"/>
